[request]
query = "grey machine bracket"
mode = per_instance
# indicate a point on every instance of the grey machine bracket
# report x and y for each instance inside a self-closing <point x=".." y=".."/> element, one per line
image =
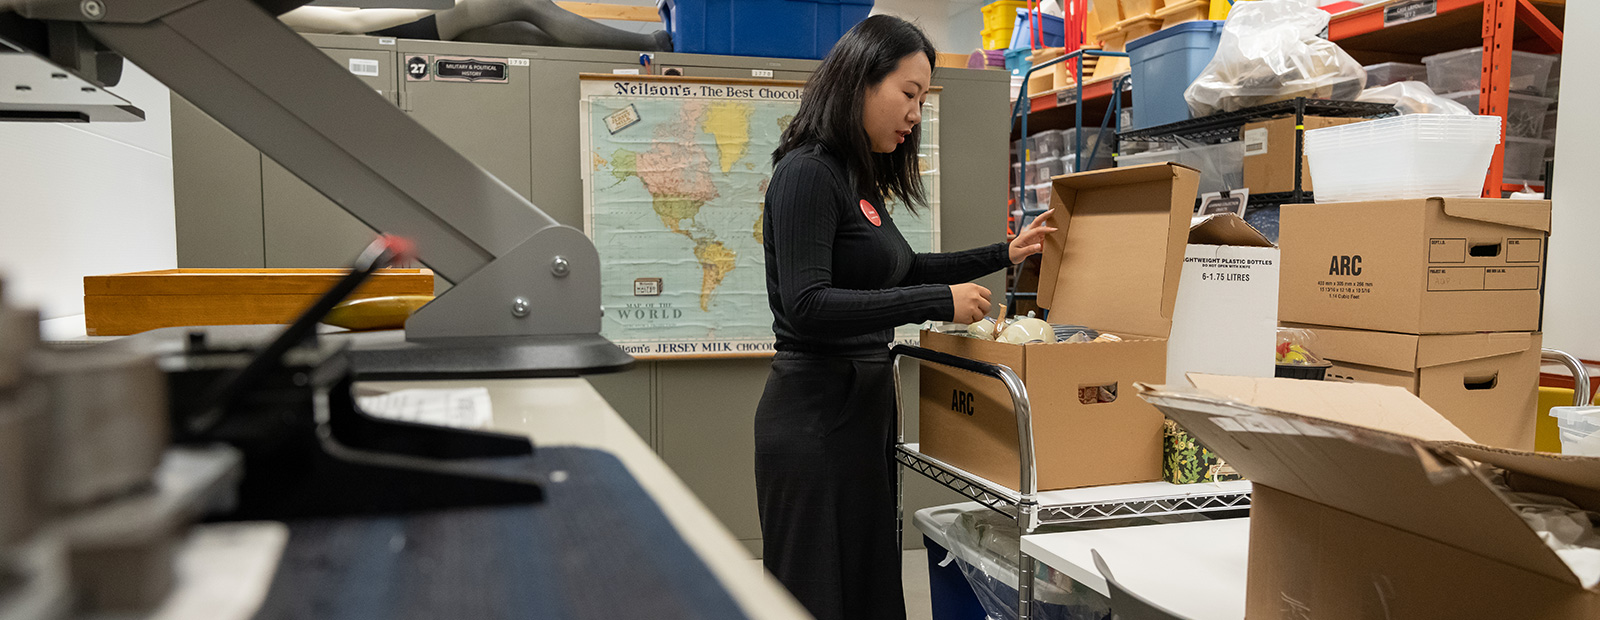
<point x="526" y="300"/>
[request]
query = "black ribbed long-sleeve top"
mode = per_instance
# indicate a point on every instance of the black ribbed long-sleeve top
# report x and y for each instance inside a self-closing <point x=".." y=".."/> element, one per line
<point x="838" y="281"/>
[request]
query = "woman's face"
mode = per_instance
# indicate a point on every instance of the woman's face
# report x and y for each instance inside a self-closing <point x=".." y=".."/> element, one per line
<point x="894" y="107"/>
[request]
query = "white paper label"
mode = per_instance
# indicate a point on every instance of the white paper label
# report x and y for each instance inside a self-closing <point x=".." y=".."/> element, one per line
<point x="518" y="62"/>
<point x="1255" y="141"/>
<point x="385" y="41"/>
<point x="455" y="408"/>
<point x="625" y="72"/>
<point x="761" y="73"/>
<point x="364" y="66"/>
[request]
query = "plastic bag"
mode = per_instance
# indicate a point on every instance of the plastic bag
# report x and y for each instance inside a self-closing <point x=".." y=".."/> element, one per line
<point x="987" y="546"/>
<point x="1413" y="97"/>
<point x="1270" y="51"/>
<point x="1294" y="347"/>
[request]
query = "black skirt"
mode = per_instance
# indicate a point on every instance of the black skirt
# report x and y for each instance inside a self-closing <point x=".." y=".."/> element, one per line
<point x="826" y="484"/>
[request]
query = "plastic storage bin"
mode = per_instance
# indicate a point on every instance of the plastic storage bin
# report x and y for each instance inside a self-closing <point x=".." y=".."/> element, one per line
<point x="1580" y="429"/>
<point x="1045" y="144"/>
<point x="1525" y="114"/>
<point x="1055" y="31"/>
<point x="1463" y="70"/>
<point x="1386" y="73"/>
<point x="1524" y="159"/>
<point x="1411" y="156"/>
<point x="1107" y="142"/>
<point x="1221" y="166"/>
<point x="999" y="17"/>
<point x="778" y="28"/>
<point x="1164" y="64"/>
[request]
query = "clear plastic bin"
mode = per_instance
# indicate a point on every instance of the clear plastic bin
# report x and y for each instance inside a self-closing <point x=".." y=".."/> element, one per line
<point x="1045" y="144"/>
<point x="1221" y="166"/>
<point x="1107" y="142"/>
<point x="1580" y="429"/>
<point x="1549" y="132"/>
<point x="1038" y="196"/>
<point x="1524" y="158"/>
<point x="1040" y="171"/>
<point x="1463" y="70"/>
<point x="1525" y="114"/>
<point x="1386" y="73"/>
<point x="1411" y="156"/>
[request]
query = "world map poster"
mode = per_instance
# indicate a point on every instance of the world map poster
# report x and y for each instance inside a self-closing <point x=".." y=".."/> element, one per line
<point x="675" y="177"/>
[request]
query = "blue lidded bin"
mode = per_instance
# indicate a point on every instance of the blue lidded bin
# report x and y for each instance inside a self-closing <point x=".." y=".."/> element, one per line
<point x="1017" y="61"/>
<point x="1164" y="64"/>
<point x="1055" y="31"/>
<point x="774" y="28"/>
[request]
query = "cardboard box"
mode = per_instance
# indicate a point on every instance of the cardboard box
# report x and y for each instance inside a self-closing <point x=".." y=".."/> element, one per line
<point x="1225" y="321"/>
<point x="1366" y="504"/>
<point x="1114" y="265"/>
<point x="1486" y="384"/>
<point x="1269" y="153"/>
<point x="1431" y="266"/>
<point x="130" y="303"/>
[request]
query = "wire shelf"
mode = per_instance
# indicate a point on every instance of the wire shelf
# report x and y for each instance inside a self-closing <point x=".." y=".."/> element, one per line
<point x="1226" y="124"/>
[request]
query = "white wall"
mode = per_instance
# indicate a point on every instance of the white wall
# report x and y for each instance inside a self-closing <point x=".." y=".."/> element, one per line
<point x="1572" y="287"/>
<point x="86" y="199"/>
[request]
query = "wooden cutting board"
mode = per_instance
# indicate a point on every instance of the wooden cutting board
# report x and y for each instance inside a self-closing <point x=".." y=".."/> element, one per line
<point x="129" y="303"/>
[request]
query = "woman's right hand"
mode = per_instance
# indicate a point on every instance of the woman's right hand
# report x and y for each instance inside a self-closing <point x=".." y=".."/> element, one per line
<point x="971" y="302"/>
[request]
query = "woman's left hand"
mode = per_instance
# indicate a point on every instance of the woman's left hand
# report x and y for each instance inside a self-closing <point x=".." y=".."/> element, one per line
<point x="1031" y="240"/>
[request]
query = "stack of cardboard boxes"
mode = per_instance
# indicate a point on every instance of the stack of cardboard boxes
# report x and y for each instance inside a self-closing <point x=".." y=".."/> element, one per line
<point x="1439" y="296"/>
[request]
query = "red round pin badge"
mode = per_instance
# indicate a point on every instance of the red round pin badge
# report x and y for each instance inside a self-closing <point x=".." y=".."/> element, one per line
<point x="871" y="213"/>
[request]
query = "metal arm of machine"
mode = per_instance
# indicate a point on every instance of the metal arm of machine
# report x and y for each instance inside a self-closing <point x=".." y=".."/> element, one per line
<point x="521" y="279"/>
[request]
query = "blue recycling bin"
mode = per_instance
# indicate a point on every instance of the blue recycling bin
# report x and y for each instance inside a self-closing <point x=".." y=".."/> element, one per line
<point x="1164" y="64"/>
<point x="774" y="28"/>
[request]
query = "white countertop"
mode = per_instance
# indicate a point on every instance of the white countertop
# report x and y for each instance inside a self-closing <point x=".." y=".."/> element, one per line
<point x="1194" y="569"/>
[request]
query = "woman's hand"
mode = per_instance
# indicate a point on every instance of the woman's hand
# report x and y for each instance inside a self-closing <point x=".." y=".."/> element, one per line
<point x="971" y="302"/>
<point x="1031" y="240"/>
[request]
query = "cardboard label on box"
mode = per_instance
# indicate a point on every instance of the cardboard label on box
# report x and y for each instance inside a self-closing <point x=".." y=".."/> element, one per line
<point x="1435" y="266"/>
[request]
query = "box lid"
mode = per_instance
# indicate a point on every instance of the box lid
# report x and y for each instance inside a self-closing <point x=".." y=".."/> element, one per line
<point x="1117" y="254"/>
<point x="1226" y="229"/>
<point x="1374" y="451"/>
<point x="1408" y="352"/>
<point x="1529" y="214"/>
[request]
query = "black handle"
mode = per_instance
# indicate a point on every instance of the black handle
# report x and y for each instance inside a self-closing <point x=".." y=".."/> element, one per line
<point x="961" y="363"/>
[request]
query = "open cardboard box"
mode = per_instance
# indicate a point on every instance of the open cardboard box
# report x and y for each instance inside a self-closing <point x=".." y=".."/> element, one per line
<point x="1113" y="265"/>
<point x="1366" y="504"/>
<point x="1486" y="384"/>
<point x="1428" y="266"/>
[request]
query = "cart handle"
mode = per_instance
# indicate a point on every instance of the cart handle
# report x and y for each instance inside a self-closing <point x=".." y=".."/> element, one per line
<point x="1580" y="374"/>
<point x="1028" y="480"/>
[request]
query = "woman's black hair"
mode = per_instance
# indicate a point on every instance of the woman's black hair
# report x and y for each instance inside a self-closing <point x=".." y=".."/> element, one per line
<point x="831" y="111"/>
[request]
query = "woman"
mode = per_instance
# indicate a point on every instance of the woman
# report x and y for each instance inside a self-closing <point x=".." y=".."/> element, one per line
<point x="840" y="278"/>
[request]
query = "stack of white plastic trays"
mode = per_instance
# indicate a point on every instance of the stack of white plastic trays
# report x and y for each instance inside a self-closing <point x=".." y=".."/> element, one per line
<point x="1412" y="156"/>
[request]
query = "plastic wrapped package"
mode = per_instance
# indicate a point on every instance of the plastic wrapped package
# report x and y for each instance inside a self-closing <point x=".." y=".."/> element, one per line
<point x="1295" y="345"/>
<point x="1271" y="51"/>
<point x="1414" y="98"/>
